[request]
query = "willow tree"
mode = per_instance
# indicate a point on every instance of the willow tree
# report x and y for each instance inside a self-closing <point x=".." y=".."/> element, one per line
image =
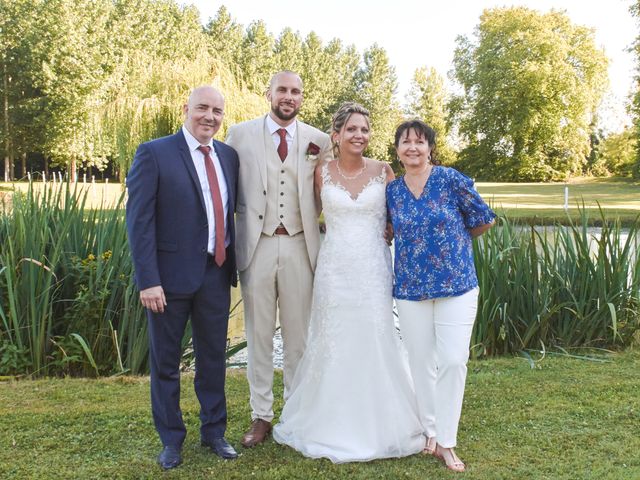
<point x="157" y="67"/>
<point x="532" y="83"/>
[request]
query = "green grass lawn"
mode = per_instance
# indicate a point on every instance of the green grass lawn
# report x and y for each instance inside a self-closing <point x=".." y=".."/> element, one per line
<point x="566" y="418"/>
<point x="543" y="202"/>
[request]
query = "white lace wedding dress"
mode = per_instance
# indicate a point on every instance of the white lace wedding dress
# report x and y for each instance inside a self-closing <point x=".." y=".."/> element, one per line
<point x="352" y="398"/>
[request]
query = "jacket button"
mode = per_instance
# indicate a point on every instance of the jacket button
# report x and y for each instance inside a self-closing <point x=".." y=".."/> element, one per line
<point x="264" y="192"/>
<point x="203" y="250"/>
<point x="260" y="217"/>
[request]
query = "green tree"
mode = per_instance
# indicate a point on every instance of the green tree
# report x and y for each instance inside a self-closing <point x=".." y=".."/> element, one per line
<point x="161" y="54"/>
<point x="70" y="43"/>
<point x="341" y="81"/>
<point x="289" y="52"/>
<point x="531" y="84"/>
<point x="427" y="99"/>
<point x="258" y="58"/>
<point x="617" y="152"/>
<point x="20" y="100"/>
<point x="226" y="37"/>
<point x="376" y="85"/>
<point x="635" y="106"/>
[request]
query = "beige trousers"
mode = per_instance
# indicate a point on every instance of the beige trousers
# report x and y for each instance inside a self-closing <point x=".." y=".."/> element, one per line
<point x="436" y="334"/>
<point x="276" y="284"/>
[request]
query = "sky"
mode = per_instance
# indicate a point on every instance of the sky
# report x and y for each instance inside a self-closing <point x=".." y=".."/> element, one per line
<point x="418" y="33"/>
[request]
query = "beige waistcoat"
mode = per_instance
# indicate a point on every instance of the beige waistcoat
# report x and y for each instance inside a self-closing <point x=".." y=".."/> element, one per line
<point x="283" y="204"/>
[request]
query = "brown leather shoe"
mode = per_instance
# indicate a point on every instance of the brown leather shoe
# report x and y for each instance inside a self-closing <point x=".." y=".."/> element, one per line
<point x="257" y="433"/>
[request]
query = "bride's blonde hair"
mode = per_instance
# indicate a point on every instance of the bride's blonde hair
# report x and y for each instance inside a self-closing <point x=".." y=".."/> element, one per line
<point x="342" y="116"/>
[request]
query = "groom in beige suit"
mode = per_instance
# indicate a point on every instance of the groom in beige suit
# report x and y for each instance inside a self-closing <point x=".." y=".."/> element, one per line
<point x="277" y="238"/>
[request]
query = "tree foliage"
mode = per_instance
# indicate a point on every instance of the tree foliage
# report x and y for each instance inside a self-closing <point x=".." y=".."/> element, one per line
<point x="427" y="100"/>
<point x="617" y="153"/>
<point x="635" y="106"/>
<point x="376" y="85"/>
<point x="532" y="83"/>
<point x="84" y="84"/>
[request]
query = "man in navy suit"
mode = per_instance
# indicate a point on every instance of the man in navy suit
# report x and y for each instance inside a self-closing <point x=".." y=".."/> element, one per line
<point x="180" y="221"/>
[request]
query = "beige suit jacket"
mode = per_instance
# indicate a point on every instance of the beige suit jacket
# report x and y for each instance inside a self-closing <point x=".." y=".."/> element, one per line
<point x="248" y="139"/>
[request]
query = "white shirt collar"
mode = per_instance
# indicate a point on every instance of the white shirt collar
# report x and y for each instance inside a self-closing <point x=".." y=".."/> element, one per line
<point x="273" y="126"/>
<point x="192" y="142"/>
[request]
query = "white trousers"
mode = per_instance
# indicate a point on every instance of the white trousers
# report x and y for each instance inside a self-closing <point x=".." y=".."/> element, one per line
<point x="276" y="284"/>
<point x="436" y="334"/>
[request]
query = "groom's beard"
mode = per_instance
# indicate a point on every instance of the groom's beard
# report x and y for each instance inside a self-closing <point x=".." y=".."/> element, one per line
<point x="284" y="116"/>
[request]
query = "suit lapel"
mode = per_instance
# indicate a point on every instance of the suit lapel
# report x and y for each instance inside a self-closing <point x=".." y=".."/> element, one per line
<point x="229" y="175"/>
<point x="303" y="142"/>
<point x="259" y="132"/>
<point x="185" y="155"/>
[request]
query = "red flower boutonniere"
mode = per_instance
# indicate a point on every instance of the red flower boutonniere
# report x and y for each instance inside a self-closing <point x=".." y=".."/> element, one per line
<point x="312" y="151"/>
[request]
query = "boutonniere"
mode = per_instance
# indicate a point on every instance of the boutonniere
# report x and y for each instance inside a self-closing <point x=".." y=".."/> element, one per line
<point x="312" y="152"/>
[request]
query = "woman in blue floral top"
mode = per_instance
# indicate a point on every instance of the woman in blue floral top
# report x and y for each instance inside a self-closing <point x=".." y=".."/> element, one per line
<point x="435" y="212"/>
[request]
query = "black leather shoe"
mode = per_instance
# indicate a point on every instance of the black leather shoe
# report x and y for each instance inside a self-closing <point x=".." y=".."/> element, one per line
<point x="220" y="447"/>
<point x="169" y="457"/>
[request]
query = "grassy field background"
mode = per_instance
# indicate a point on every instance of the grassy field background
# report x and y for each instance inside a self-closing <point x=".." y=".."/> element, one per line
<point x="545" y="201"/>
<point x="565" y="418"/>
<point x="530" y="201"/>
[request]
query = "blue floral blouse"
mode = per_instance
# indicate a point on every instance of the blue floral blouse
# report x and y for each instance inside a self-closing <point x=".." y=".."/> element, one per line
<point x="433" y="244"/>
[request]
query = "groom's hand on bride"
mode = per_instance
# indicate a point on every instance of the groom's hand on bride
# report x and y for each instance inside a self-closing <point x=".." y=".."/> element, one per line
<point x="153" y="298"/>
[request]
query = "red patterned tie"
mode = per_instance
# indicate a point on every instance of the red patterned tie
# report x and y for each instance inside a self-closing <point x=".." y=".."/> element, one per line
<point x="218" y="210"/>
<point x="283" y="149"/>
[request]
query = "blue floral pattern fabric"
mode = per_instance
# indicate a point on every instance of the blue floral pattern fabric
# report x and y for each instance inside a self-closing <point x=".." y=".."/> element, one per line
<point x="433" y="243"/>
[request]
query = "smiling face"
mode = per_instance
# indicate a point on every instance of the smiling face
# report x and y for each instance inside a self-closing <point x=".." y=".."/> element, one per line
<point x="203" y="113"/>
<point x="285" y="97"/>
<point x="413" y="150"/>
<point x="353" y="137"/>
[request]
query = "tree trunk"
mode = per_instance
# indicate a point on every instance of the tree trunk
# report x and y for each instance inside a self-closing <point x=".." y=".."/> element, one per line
<point x="7" y="168"/>
<point x="23" y="163"/>
<point x="72" y="170"/>
<point x="8" y="160"/>
<point x="46" y="168"/>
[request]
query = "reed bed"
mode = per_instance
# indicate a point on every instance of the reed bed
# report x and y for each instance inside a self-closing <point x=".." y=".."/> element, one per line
<point x="557" y="287"/>
<point x="68" y="303"/>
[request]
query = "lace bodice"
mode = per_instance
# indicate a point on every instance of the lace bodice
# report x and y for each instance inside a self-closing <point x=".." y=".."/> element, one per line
<point x="354" y="251"/>
<point x="351" y="218"/>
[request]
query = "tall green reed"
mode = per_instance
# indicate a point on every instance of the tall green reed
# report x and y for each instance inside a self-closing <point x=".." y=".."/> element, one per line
<point x="67" y="300"/>
<point x="68" y="303"/>
<point x="562" y="286"/>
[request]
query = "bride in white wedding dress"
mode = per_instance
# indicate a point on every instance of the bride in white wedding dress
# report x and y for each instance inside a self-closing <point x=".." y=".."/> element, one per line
<point x="351" y="397"/>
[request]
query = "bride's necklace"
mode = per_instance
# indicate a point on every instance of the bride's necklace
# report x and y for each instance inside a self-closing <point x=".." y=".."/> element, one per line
<point x="350" y="177"/>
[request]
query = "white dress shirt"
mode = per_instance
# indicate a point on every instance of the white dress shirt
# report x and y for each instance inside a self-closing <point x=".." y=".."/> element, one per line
<point x="273" y="128"/>
<point x="198" y="161"/>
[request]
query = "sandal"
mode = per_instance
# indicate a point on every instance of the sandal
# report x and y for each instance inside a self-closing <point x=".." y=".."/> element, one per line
<point x="454" y="464"/>
<point x="430" y="446"/>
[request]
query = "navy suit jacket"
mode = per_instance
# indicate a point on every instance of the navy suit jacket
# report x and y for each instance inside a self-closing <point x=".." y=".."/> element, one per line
<point x="166" y="216"/>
